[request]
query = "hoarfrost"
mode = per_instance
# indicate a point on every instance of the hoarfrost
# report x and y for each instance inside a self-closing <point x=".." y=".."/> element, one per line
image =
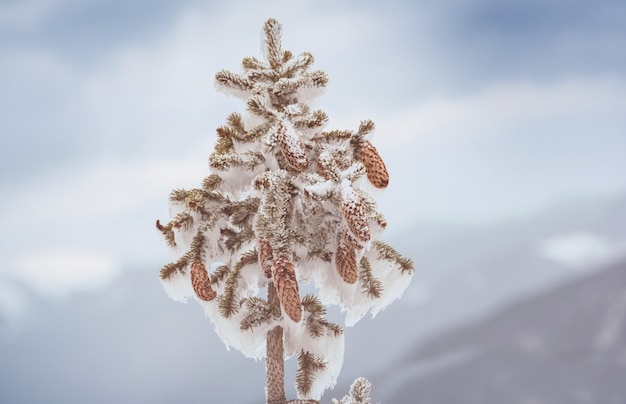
<point x="232" y="91"/>
<point x="310" y="94"/>
<point x="293" y="109"/>
<point x="323" y="205"/>
<point x="178" y="286"/>
<point x="351" y="298"/>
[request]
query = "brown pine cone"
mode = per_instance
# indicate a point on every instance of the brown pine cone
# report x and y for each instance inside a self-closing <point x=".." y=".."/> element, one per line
<point x="374" y="165"/>
<point x="287" y="288"/>
<point x="265" y="257"/>
<point x="201" y="282"/>
<point x="354" y="213"/>
<point x="292" y="147"/>
<point x="345" y="261"/>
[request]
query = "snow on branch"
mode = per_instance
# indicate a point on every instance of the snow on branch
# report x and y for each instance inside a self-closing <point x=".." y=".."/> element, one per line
<point x="282" y="205"/>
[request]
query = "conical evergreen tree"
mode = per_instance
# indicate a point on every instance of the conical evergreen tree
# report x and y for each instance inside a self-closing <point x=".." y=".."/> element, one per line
<point x="284" y="205"/>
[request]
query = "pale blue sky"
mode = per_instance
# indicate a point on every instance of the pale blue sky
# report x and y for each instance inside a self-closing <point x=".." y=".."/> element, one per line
<point x="485" y="110"/>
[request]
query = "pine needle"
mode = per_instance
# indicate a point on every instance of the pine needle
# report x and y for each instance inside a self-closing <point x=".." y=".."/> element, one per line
<point x="308" y="366"/>
<point x="219" y="274"/>
<point x="169" y="270"/>
<point x="387" y="252"/>
<point x="371" y="285"/>
<point x="316" y="324"/>
<point x="212" y="182"/>
<point x="232" y="80"/>
<point x="168" y="232"/>
<point x="259" y="312"/>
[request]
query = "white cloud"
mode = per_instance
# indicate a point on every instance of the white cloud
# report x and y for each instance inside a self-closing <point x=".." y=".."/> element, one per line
<point x="505" y="151"/>
<point x="500" y="108"/>
<point x="56" y="272"/>
<point x="102" y="212"/>
<point x="145" y="98"/>
<point x="105" y="189"/>
<point x="580" y="250"/>
<point x="329" y="32"/>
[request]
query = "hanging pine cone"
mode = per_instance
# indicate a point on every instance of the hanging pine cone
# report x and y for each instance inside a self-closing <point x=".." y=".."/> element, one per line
<point x="292" y="147"/>
<point x="265" y="257"/>
<point x="287" y="288"/>
<point x="201" y="282"/>
<point x="354" y="213"/>
<point x="374" y="165"/>
<point x="345" y="261"/>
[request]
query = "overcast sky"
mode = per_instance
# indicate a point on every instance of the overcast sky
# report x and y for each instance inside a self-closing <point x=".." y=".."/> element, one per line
<point x="485" y="110"/>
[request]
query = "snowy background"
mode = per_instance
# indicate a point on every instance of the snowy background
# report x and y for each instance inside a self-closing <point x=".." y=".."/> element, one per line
<point x="503" y="125"/>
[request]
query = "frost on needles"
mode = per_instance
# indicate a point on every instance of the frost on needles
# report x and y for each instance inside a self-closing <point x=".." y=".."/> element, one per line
<point x="284" y="204"/>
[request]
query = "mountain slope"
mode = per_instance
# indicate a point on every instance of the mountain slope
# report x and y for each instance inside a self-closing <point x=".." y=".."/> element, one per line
<point x="563" y="345"/>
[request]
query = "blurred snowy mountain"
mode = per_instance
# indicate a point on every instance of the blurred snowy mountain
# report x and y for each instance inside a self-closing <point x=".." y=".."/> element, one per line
<point x="563" y="345"/>
<point x="463" y="274"/>
<point x="129" y="343"/>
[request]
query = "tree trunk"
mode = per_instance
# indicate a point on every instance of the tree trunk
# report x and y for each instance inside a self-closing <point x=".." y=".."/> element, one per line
<point x="275" y="358"/>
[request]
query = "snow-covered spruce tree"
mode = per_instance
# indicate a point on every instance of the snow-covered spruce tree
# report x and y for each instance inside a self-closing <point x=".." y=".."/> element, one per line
<point x="283" y="206"/>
